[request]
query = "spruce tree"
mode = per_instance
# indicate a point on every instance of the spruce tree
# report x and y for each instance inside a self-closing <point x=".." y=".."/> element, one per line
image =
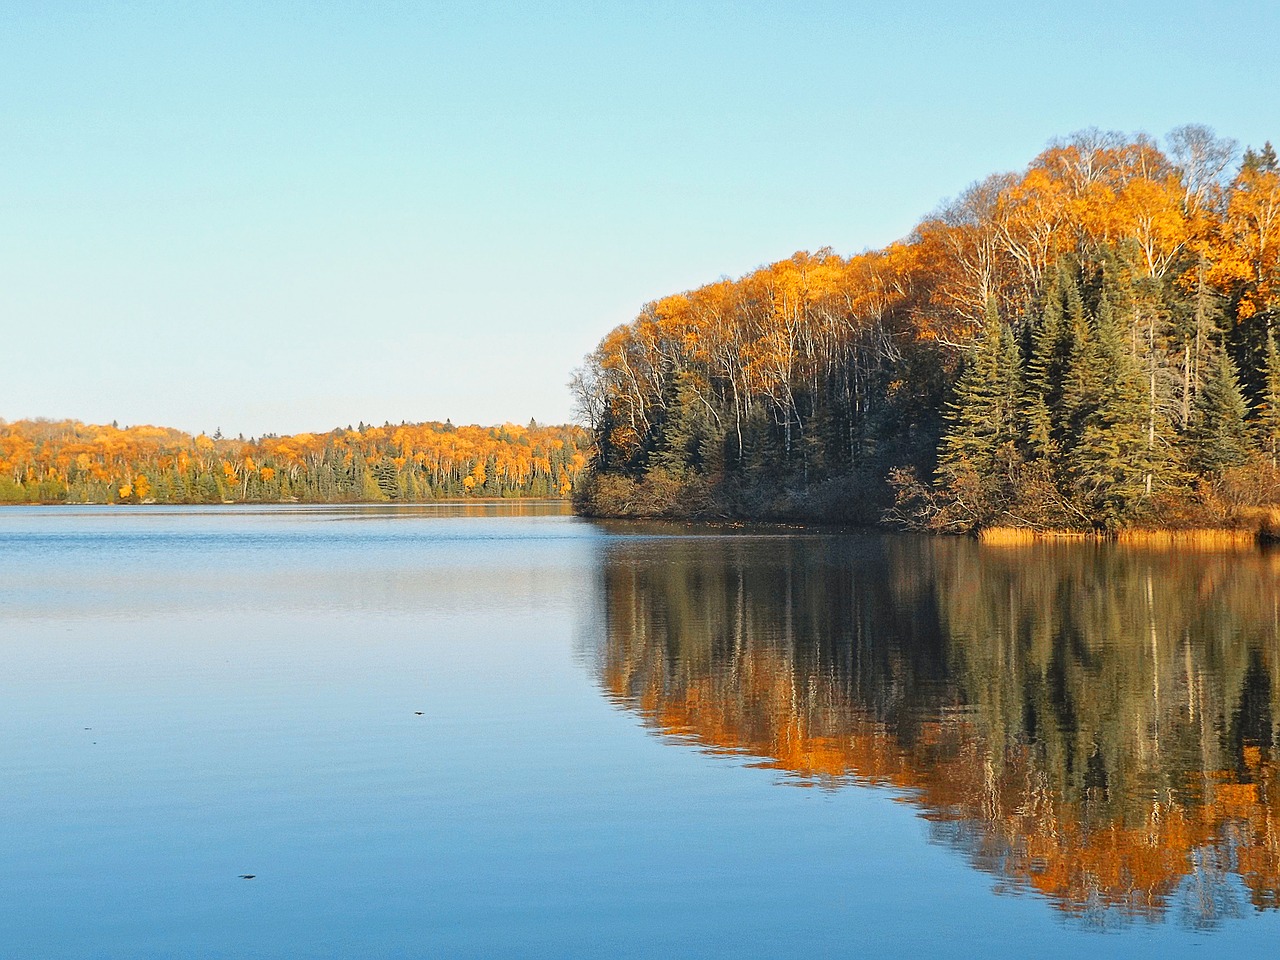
<point x="1107" y="457"/>
<point x="680" y="447"/>
<point x="1219" y="433"/>
<point x="978" y="462"/>
<point x="1060" y="312"/>
<point x="1268" y="422"/>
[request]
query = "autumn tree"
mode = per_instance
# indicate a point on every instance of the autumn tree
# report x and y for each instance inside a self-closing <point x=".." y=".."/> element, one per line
<point x="1116" y="268"/>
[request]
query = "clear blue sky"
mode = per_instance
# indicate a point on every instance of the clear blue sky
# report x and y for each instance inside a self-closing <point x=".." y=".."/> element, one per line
<point x="290" y="216"/>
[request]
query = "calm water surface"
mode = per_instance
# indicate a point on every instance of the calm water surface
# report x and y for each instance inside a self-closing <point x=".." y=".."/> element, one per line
<point x="501" y="731"/>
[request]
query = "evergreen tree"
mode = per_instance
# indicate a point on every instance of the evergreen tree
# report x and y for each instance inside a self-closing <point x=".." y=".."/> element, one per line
<point x="1268" y="422"/>
<point x="1219" y="433"/>
<point x="1107" y="458"/>
<point x="384" y="475"/>
<point x="1196" y="311"/>
<point x="758" y="476"/>
<point x="1263" y="160"/>
<point x="686" y="429"/>
<point x="1061" y="312"/>
<point x="979" y="458"/>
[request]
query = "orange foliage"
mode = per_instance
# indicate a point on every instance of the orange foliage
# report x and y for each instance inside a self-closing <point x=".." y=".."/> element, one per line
<point x="58" y="460"/>
<point x="765" y="337"/>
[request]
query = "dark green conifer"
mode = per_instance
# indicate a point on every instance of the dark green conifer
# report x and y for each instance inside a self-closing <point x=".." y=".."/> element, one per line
<point x="1219" y="433"/>
<point x="1061" y="311"/>
<point x="979" y="455"/>
<point x="1268" y="422"/>
<point x="1107" y="454"/>
<point x="685" y="430"/>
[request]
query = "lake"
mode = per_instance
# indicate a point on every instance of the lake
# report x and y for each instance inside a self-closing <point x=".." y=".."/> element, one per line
<point x="492" y="730"/>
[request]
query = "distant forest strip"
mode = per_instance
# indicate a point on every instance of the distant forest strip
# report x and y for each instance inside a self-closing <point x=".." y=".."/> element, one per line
<point x="43" y="461"/>
<point x="1088" y="344"/>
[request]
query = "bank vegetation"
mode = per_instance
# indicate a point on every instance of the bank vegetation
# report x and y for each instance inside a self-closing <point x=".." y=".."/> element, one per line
<point x="1085" y="345"/>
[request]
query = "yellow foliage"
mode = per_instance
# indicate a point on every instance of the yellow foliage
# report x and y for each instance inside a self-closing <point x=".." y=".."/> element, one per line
<point x="439" y="456"/>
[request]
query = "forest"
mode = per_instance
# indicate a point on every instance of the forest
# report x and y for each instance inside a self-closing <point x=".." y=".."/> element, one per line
<point x="44" y="461"/>
<point x="1085" y="345"/>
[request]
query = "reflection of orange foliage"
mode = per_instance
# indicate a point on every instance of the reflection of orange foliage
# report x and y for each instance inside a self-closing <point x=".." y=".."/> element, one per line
<point x="1027" y="833"/>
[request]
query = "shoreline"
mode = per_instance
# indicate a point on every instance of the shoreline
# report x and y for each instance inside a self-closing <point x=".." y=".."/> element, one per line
<point x="1253" y="530"/>
<point x="1259" y="528"/>
<point x="282" y="503"/>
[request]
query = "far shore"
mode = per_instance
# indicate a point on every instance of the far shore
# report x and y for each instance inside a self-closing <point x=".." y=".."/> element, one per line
<point x="1253" y="528"/>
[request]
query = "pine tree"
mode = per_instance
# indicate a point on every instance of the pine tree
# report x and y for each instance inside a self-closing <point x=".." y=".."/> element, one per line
<point x="1219" y="433"/>
<point x="1268" y="422"/>
<point x="386" y="478"/>
<point x="1107" y="456"/>
<point x="684" y="432"/>
<point x="978" y="463"/>
<point x="1061" y="311"/>
<point x="1196" y="310"/>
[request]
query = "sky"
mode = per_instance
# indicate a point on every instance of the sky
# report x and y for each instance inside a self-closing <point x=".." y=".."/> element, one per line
<point x="276" y="217"/>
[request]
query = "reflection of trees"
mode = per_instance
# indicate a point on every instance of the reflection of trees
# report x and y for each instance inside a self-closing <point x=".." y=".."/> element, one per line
<point x="1088" y="721"/>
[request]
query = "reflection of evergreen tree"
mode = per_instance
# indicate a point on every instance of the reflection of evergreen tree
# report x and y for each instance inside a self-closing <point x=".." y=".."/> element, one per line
<point x="1092" y="722"/>
<point x="1251" y="720"/>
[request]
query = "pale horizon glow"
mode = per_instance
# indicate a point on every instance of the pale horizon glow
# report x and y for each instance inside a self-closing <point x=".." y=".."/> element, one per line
<point x="275" y="218"/>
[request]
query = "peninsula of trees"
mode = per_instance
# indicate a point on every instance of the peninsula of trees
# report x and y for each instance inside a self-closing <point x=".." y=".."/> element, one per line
<point x="1088" y="344"/>
<point x="44" y="461"/>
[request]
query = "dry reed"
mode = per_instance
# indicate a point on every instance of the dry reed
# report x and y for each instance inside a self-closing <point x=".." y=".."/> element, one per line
<point x="1191" y="539"/>
<point x="1214" y="538"/>
<point x="1016" y="536"/>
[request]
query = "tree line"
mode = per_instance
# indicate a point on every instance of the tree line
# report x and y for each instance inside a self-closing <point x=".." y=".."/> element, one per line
<point x="1086" y="344"/>
<point x="43" y="461"/>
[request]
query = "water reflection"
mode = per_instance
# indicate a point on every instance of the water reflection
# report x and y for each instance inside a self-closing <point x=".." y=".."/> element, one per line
<point x="1093" y="723"/>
